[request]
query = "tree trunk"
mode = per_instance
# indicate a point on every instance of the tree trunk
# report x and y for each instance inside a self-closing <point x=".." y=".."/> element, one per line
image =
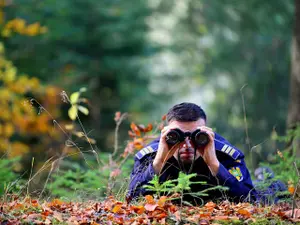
<point x="294" y="104"/>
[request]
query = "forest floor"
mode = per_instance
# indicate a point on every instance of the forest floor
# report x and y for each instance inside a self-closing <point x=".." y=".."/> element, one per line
<point x="148" y="211"/>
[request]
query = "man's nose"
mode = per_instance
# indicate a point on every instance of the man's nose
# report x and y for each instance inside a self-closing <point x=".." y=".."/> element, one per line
<point x="187" y="143"/>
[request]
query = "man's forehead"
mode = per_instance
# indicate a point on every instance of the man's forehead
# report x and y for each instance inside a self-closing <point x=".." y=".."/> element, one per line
<point x="187" y="126"/>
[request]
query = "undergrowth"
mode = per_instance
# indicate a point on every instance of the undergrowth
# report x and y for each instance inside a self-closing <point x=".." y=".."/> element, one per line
<point x="103" y="174"/>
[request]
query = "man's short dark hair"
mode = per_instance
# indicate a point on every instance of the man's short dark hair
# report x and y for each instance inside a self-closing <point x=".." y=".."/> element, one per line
<point x="186" y="112"/>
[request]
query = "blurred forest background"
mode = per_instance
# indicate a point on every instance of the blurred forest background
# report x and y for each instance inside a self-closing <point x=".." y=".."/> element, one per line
<point x="231" y="57"/>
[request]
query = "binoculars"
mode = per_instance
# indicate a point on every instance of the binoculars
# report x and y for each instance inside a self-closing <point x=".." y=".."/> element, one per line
<point x="198" y="137"/>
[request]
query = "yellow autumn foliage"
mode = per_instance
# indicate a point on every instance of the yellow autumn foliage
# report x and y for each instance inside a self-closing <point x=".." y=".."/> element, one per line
<point x="19" y="25"/>
<point x="18" y="117"/>
<point x="18" y="149"/>
<point x="26" y="129"/>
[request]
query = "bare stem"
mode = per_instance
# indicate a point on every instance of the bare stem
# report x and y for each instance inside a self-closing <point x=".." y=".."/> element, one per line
<point x="30" y="177"/>
<point x="48" y="177"/>
<point x="295" y="191"/>
<point x="245" y="118"/>
<point x="69" y="141"/>
<point x="118" y="123"/>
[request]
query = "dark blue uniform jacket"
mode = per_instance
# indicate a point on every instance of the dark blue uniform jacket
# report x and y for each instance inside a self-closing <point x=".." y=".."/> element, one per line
<point x="232" y="173"/>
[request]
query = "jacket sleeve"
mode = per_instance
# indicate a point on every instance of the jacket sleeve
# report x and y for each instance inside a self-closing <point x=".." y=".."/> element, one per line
<point x="141" y="174"/>
<point x="235" y="175"/>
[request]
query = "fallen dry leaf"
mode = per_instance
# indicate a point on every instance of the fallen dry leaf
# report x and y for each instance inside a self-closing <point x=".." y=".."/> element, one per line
<point x="138" y="209"/>
<point x="58" y="216"/>
<point x="117" y="208"/>
<point x="161" y="202"/>
<point x="221" y="217"/>
<point x="149" y="199"/>
<point x="150" y="207"/>
<point x="244" y="212"/>
<point x="290" y="213"/>
<point x="210" y="206"/>
<point x="159" y="211"/>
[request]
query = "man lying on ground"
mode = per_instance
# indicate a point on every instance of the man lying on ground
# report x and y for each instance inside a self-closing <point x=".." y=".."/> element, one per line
<point x="186" y="144"/>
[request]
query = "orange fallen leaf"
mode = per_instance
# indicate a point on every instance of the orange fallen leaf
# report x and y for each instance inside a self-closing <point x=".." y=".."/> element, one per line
<point x="34" y="203"/>
<point x="46" y="213"/>
<point x="210" y="206"/>
<point x="55" y="202"/>
<point x="149" y="199"/>
<point x="116" y="208"/>
<point x="205" y="214"/>
<point x="161" y="202"/>
<point x="138" y="209"/>
<point x="19" y="206"/>
<point x="244" y="212"/>
<point x="159" y="214"/>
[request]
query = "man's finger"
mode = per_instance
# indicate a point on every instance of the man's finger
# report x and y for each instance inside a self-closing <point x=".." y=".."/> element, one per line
<point x="205" y="128"/>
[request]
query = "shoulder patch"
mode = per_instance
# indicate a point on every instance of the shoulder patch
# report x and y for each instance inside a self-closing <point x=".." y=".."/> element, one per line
<point x="145" y="151"/>
<point x="236" y="172"/>
<point x="227" y="149"/>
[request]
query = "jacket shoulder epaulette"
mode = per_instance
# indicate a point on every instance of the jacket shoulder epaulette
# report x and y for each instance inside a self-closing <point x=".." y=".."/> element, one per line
<point x="152" y="147"/>
<point x="222" y="145"/>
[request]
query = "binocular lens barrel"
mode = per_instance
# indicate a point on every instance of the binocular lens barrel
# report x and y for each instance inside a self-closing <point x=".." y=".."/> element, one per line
<point x="172" y="137"/>
<point x="201" y="138"/>
<point x="198" y="137"/>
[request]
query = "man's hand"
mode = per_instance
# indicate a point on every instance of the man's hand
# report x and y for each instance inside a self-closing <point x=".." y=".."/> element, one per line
<point x="208" y="152"/>
<point x="163" y="151"/>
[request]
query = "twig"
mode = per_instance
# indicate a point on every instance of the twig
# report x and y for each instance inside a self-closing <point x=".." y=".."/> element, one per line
<point x="118" y="123"/>
<point x="69" y="139"/>
<point x="294" y="194"/>
<point x="30" y="176"/>
<point x="111" y="180"/>
<point x="246" y="125"/>
<point x="245" y="118"/>
<point x="46" y="182"/>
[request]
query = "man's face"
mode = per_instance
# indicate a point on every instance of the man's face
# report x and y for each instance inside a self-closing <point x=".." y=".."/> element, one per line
<point x="185" y="149"/>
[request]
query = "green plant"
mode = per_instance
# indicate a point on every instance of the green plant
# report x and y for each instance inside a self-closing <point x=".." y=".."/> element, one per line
<point x="8" y="178"/>
<point x="75" y="181"/>
<point x="158" y="188"/>
<point x="76" y="184"/>
<point x="181" y="185"/>
<point x="283" y="165"/>
<point x="286" y="170"/>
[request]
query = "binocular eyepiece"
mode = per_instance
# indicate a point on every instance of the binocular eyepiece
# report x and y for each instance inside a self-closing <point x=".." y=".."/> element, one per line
<point x="198" y="137"/>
